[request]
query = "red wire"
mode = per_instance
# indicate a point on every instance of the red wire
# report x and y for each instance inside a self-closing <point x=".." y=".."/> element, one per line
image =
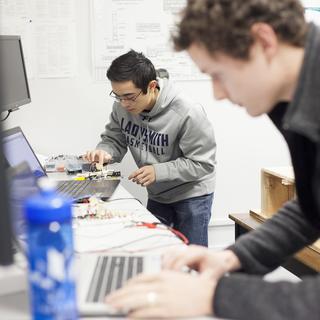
<point x="180" y="235"/>
<point x="154" y="225"/>
<point x="150" y="225"/>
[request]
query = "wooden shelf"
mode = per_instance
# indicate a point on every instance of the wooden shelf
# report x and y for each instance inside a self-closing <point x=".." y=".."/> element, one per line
<point x="309" y="255"/>
<point x="277" y="187"/>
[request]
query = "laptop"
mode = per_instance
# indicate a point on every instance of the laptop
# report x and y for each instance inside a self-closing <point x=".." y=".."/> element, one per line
<point x="22" y="184"/>
<point x="17" y="149"/>
<point x="97" y="274"/>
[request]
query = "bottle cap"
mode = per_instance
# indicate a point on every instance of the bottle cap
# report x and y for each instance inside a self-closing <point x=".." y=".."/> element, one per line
<point x="48" y="205"/>
<point x="46" y="184"/>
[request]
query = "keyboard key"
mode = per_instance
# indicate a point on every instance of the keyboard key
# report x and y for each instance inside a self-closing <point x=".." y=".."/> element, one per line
<point x="111" y="273"/>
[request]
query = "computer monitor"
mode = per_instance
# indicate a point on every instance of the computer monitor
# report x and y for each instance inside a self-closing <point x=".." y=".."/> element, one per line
<point x="14" y="88"/>
<point x="6" y="249"/>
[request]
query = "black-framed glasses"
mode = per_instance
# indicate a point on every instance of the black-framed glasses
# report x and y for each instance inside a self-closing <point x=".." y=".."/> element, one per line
<point x="127" y="97"/>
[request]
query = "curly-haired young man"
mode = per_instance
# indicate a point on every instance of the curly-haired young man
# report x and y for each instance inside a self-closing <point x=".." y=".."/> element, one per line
<point x="263" y="56"/>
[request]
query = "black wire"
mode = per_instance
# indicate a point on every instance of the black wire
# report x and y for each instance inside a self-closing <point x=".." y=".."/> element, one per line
<point x="110" y="200"/>
<point x="7" y="116"/>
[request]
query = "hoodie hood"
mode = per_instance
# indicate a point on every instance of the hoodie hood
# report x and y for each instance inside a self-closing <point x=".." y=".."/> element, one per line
<point x="167" y="94"/>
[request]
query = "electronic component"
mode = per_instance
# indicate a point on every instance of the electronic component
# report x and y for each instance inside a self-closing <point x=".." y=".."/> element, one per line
<point x="113" y="173"/>
<point x="73" y="167"/>
<point x="104" y="174"/>
<point x="50" y="166"/>
<point x="77" y="164"/>
<point x="86" y="166"/>
<point x="95" y="167"/>
<point x="70" y="163"/>
<point x="92" y="166"/>
<point x="96" y="209"/>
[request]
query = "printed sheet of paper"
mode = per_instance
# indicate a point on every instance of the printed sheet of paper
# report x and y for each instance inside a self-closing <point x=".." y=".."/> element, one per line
<point x="143" y="25"/>
<point x="47" y="30"/>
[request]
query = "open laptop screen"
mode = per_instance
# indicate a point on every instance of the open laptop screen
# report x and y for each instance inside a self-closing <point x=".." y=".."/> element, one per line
<point x="22" y="184"/>
<point x="17" y="149"/>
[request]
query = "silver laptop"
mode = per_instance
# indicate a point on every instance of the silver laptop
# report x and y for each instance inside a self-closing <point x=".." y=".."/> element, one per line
<point x="102" y="274"/>
<point x="17" y="149"/>
<point x="97" y="275"/>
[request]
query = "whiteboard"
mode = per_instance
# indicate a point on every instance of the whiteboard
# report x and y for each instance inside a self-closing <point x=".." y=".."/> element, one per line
<point x="47" y="30"/>
<point x="143" y="25"/>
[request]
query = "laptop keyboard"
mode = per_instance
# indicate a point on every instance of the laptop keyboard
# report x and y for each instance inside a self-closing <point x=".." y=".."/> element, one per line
<point x="73" y="187"/>
<point x="110" y="273"/>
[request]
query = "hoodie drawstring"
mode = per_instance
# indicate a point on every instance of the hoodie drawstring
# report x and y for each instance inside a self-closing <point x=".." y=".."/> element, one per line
<point x="147" y="140"/>
<point x="141" y="138"/>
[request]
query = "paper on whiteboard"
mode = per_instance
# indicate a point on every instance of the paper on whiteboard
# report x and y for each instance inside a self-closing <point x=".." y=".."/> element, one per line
<point x="47" y="30"/>
<point x="142" y="25"/>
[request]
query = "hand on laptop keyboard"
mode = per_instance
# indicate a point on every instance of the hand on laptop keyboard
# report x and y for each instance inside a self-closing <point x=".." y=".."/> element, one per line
<point x="168" y="294"/>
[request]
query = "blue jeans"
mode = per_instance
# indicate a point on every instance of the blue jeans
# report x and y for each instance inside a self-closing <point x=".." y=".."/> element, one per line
<point x="190" y="216"/>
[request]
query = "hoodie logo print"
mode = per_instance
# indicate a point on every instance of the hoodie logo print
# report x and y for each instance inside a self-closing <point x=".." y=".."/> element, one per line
<point x="144" y="139"/>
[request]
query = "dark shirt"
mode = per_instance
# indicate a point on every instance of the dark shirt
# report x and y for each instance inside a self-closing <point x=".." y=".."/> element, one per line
<point x="303" y="157"/>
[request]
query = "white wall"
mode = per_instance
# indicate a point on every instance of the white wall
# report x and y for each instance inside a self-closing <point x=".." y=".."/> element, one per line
<point x="67" y="116"/>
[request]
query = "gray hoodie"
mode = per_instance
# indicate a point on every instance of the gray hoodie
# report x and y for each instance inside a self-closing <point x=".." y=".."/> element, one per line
<point x="175" y="136"/>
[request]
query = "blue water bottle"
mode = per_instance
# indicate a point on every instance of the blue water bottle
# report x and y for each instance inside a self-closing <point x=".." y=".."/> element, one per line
<point x="50" y="254"/>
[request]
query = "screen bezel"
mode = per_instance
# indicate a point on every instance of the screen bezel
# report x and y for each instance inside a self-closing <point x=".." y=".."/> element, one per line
<point x="6" y="249"/>
<point x="15" y="130"/>
<point x="17" y="104"/>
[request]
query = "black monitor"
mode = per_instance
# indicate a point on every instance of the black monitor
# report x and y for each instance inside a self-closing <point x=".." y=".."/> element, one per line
<point x="14" y="89"/>
<point x="6" y="249"/>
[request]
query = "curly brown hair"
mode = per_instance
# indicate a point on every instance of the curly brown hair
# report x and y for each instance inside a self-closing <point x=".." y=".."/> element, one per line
<point x="225" y="25"/>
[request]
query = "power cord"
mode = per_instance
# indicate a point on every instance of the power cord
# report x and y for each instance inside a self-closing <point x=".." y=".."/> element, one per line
<point x="111" y="200"/>
<point x="7" y="116"/>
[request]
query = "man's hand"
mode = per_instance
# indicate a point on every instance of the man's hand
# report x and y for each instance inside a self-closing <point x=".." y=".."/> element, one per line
<point x="201" y="259"/>
<point x="169" y="294"/>
<point x="145" y="176"/>
<point x="99" y="156"/>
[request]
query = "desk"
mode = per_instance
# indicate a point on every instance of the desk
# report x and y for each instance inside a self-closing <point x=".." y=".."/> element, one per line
<point x="305" y="262"/>
<point x="15" y="306"/>
<point x="114" y="235"/>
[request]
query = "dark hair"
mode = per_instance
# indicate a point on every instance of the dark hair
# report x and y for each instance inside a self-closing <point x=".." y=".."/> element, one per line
<point x="132" y="66"/>
<point x="162" y="73"/>
<point x="225" y="25"/>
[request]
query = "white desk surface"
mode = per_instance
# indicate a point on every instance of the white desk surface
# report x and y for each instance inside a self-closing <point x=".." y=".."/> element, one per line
<point x="15" y="307"/>
<point x="106" y="236"/>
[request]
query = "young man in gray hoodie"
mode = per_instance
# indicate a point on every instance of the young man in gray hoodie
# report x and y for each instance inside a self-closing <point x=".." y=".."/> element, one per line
<point x="171" y="141"/>
<point x="262" y="55"/>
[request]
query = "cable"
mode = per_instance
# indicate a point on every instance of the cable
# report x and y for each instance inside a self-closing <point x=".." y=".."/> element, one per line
<point x="7" y="116"/>
<point x="110" y="200"/>
<point x="154" y="225"/>
<point x="149" y="225"/>
<point x="179" y="235"/>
